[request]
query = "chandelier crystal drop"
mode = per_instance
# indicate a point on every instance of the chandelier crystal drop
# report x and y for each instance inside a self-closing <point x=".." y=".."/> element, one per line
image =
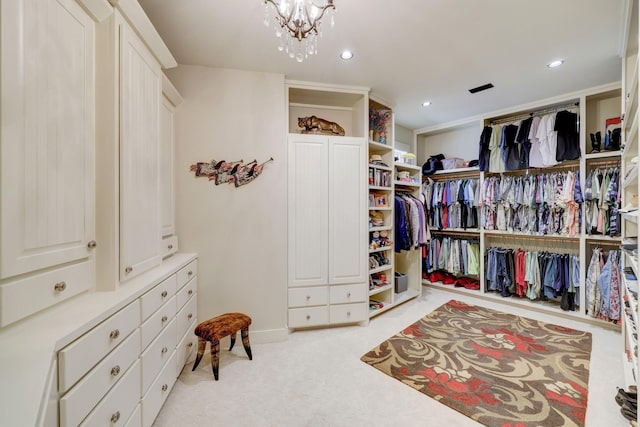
<point x="297" y="25"/>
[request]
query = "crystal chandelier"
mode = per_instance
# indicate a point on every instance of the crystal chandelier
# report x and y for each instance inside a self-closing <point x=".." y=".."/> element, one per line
<point x="297" y="25"/>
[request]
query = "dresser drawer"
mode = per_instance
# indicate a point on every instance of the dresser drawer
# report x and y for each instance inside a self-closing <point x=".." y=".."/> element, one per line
<point x="187" y="316"/>
<point x="79" y="401"/>
<point x="135" y="420"/>
<point x="168" y="246"/>
<point x="156" y="323"/>
<point x="158" y="392"/>
<point x="305" y="297"/>
<point x="23" y="297"/>
<point x="76" y="359"/>
<point x="156" y="297"/>
<point x="308" y="316"/>
<point x="155" y="357"/>
<point x="186" y="292"/>
<point x="119" y="403"/>
<point x="348" y="293"/>
<point x="187" y="272"/>
<point x="186" y="347"/>
<point x="348" y="313"/>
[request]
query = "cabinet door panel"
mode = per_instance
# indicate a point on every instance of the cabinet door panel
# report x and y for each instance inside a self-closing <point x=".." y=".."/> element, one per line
<point x="308" y="214"/>
<point x="140" y="91"/>
<point x="166" y="168"/>
<point x="347" y="210"/>
<point x="47" y="114"/>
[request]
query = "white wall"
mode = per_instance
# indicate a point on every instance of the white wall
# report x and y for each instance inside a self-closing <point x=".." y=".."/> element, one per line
<point x="239" y="233"/>
<point x="403" y="138"/>
<point x="461" y="142"/>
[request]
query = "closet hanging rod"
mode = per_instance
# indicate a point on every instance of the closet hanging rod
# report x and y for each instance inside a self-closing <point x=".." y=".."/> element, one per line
<point x="452" y="177"/>
<point x="535" y="238"/>
<point x="570" y="164"/>
<point x="514" y="118"/>
<point x="597" y="242"/>
<point x="605" y="162"/>
<point x="469" y="233"/>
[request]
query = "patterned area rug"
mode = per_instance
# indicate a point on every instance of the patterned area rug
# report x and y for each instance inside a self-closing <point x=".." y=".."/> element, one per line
<point x="496" y="368"/>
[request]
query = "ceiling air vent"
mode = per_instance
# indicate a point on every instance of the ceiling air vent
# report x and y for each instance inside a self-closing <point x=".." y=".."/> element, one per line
<point x="481" y="88"/>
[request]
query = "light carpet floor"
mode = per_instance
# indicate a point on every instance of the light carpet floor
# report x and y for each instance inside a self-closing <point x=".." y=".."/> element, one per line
<point x="316" y="378"/>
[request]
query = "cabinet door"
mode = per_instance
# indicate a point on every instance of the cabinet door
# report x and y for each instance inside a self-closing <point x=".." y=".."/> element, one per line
<point x="47" y="115"/>
<point x="166" y="168"/>
<point x="308" y="211"/>
<point x="140" y="92"/>
<point x="347" y="211"/>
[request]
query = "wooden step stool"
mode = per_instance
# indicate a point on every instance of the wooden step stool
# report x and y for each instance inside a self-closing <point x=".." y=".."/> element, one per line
<point x="213" y="330"/>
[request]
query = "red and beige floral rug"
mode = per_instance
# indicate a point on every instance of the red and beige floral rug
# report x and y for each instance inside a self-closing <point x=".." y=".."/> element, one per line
<point x="496" y="368"/>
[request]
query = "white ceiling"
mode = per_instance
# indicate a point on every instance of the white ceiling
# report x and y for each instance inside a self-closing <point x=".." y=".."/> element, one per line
<point x="408" y="51"/>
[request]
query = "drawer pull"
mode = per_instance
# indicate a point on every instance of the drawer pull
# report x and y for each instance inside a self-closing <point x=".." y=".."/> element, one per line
<point x="190" y="316"/>
<point x="308" y="317"/>
<point x="60" y="286"/>
<point x="164" y="350"/>
<point x="170" y="247"/>
<point x="348" y="314"/>
<point x="190" y="292"/>
<point x="164" y="294"/>
<point x="190" y="345"/>
<point x="115" y="371"/>
<point x="115" y="417"/>
<point x="92" y="244"/>
<point x="128" y="270"/>
<point x="114" y="334"/>
<point x="164" y="387"/>
<point x="164" y="319"/>
<point x="348" y="294"/>
<point x="190" y="273"/>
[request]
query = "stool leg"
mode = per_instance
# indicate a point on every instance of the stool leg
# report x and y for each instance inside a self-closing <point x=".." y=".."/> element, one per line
<point x="215" y="352"/>
<point x="233" y="340"/>
<point x="244" y="332"/>
<point x="202" y="344"/>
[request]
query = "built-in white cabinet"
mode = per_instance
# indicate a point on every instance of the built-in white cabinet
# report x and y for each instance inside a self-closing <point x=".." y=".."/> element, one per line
<point x="327" y="230"/>
<point x="140" y="94"/>
<point x="46" y="150"/>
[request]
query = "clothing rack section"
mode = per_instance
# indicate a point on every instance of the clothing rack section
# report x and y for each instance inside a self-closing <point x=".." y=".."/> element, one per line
<point x="560" y="245"/>
<point x="542" y="204"/>
<point x="452" y="261"/>
<point x="411" y="230"/>
<point x="537" y="139"/>
<point x="518" y="117"/>
<point x="452" y="203"/>
<point x="533" y="274"/>
<point x="602" y="195"/>
<point x="603" y="285"/>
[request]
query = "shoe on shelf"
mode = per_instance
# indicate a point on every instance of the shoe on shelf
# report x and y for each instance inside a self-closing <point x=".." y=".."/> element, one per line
<point x="629" y="412"/>
<point x="626" y="397"/>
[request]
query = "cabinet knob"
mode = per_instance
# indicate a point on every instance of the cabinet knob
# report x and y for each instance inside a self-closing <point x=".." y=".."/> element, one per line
<point x="92" y="244"/>
<point x="348" y="314"/>
<point x="115" y="371"/>
<point x="60" y="286"/>
<point x="308" y="297"/>
<point x="115" y="417"/>
<point x="128" y="270"/>
<point x="190" y="273"/>
<point x="189" y="316"/>
<point x="164" y="319"/>
<point x="164" y="294"/>
<point x="164" y="387"/>
<point x="114" y="334"/>
<point x="170" y="247"/>
<point x="190" y="292"/>
<point x="190" y="345"/>
<point x="348" y="294"/>
<point x="308" y="317"/>
<point x="164" y="350"/>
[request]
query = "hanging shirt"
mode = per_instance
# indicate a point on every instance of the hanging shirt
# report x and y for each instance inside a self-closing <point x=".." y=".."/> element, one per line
<point x="548" y="139"/>
<point x="535" y="155"/>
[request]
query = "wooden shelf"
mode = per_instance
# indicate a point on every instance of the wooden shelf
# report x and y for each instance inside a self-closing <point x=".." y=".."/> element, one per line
<point x="603" y="155"/>
<point x="407" y="167"/>
<point x="386" y="267"/>
<point x="379" y="289"/>
<point x="456" y="230"/>
<point x="600" y="238"/>
<point x="632" y="178"/>
<point x="380" y="208"/>
<point x="407" y="184"/>
<point x="451" y="287"/>
<point x="386" y="248"/>
<point x="633" y="262"/>
<point x="380" y="147"/>
<point x="631" y="216"/>
<point x="405" y="296"/>
<point x="533" y="236"/>
<point x="381" y="228"/>
<point x="377" y="187"/>
<point x="458" y="170"/>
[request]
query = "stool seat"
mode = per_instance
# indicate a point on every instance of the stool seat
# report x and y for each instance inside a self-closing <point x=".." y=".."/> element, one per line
<point x="213" y="330"/>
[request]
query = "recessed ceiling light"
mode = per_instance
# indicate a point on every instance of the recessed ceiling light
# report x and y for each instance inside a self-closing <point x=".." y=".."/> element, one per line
<point x="426" y="103"/>
<point x="556" y="63"/>
<point x="346" y="55"/>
